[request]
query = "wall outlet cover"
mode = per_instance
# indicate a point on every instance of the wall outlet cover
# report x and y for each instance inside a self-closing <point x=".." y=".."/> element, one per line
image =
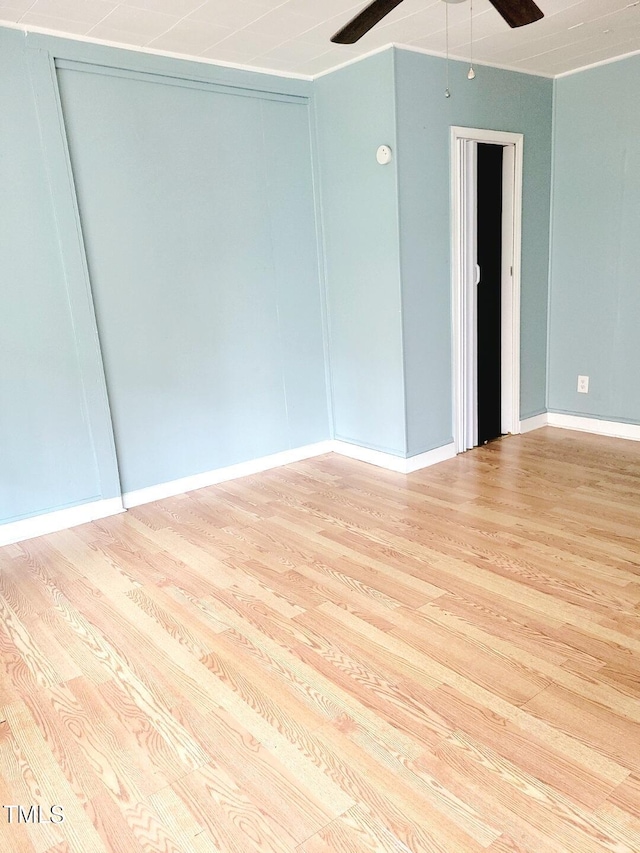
<point x="583" y="384"/>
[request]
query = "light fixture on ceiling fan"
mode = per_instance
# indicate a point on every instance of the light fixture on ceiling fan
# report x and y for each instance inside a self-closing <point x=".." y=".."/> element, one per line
<point x="517" y="13"/>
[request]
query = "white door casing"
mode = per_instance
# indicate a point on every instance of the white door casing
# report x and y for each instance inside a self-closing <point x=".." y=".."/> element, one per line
<point x="464" y="278"/>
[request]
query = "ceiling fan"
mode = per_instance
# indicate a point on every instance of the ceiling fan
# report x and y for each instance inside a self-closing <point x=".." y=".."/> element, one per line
<point x="517" y="13"/>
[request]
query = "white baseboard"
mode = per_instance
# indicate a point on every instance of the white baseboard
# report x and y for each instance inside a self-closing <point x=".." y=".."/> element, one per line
<point x="51" y="522"/>
<point x="373" y="457"/>
<point x="536" y="422"/>
<point x="255" y="466"/>
<point x="61" y="519"/>
<point x="431" y="457"/>
<point x="391" y="462"/>
<point x="615" y="429"/>
<point x="222" y="475"/>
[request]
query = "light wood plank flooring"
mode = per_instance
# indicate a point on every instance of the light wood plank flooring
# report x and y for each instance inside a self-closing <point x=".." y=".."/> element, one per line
<point x="334" y="657"/>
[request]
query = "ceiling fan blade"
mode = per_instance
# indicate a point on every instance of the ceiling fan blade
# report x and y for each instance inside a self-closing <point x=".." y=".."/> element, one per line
<point x="364" y="21"/>
<point x="518" y="13"/>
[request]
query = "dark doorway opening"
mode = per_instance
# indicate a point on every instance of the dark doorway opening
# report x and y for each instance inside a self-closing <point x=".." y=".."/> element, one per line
<point x="489" y="291"/>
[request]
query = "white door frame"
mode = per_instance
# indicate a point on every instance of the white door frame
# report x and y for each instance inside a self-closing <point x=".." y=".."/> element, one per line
<point x="464" y="279"/>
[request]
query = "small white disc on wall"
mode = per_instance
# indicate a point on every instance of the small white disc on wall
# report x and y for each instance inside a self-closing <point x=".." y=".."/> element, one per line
<point x="383" y="155"/>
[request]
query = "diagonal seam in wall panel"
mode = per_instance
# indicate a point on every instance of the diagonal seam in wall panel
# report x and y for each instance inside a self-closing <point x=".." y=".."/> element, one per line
<point x="58" y="168"/>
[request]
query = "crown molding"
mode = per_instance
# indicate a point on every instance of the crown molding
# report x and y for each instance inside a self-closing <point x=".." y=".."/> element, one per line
<point x="598" y="64"/>
<point x="151" y="51"/>
<point x="455" y="58"/>
<point x="293" y="75"/>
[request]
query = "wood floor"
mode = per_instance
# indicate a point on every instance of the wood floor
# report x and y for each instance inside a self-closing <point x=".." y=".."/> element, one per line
<point x="334" y="657"/>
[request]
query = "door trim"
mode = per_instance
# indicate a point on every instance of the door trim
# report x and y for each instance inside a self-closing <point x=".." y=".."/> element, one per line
<point x="463" y="279"/>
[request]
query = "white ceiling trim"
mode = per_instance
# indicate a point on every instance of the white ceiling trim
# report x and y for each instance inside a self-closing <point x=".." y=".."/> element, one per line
<point x="597" y="64"/>
<point x="203" y="60"/>
<point x="275" y="72"/>
<point x="423" y="50"/>
<point x="476" y="62"/>
<point x="353" y="60"/>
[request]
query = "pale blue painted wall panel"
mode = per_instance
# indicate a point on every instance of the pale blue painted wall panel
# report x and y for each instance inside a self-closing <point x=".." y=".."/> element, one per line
<point x="355" y="110"/>
<point x="595" y="292"/>
<point x="498" y="100"/>
<point x="46" y="453"/>
<point x="292" y="210"/>
<point x="198" y="213"/>
<point x="173" y="194"/>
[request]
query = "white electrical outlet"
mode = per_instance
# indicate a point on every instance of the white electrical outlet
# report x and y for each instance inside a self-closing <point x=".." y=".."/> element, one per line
<point x="583" y="384"/>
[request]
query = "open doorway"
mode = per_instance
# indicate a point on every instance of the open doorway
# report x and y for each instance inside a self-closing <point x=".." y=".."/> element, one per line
<point x="486" y="229"/>
<point x="489" y="164"/>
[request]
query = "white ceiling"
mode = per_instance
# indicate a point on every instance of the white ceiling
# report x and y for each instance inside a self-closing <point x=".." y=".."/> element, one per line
<point x="292" y="36"/>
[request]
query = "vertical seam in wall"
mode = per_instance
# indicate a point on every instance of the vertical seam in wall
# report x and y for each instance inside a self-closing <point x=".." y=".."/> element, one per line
<point x="316" y="183"/>
<point x="265" y="179"/>
<point x="396" y="162"/>
<point x="550" y="261"/>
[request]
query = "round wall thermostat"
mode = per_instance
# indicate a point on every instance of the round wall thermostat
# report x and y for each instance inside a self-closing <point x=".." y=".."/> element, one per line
<point x="383" y="155"/>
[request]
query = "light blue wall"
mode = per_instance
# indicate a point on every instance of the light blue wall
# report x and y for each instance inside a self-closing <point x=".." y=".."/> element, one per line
<point x="595" y="261"/>
<point x="387" y="238"/>
<point x="496" y="100"/>
<point x="199" y="224"/>
<point x="198" y="212"/>
<point x="52" y="405"/>
<point x="199" y="192"/>
<point x="355" y="114"/>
